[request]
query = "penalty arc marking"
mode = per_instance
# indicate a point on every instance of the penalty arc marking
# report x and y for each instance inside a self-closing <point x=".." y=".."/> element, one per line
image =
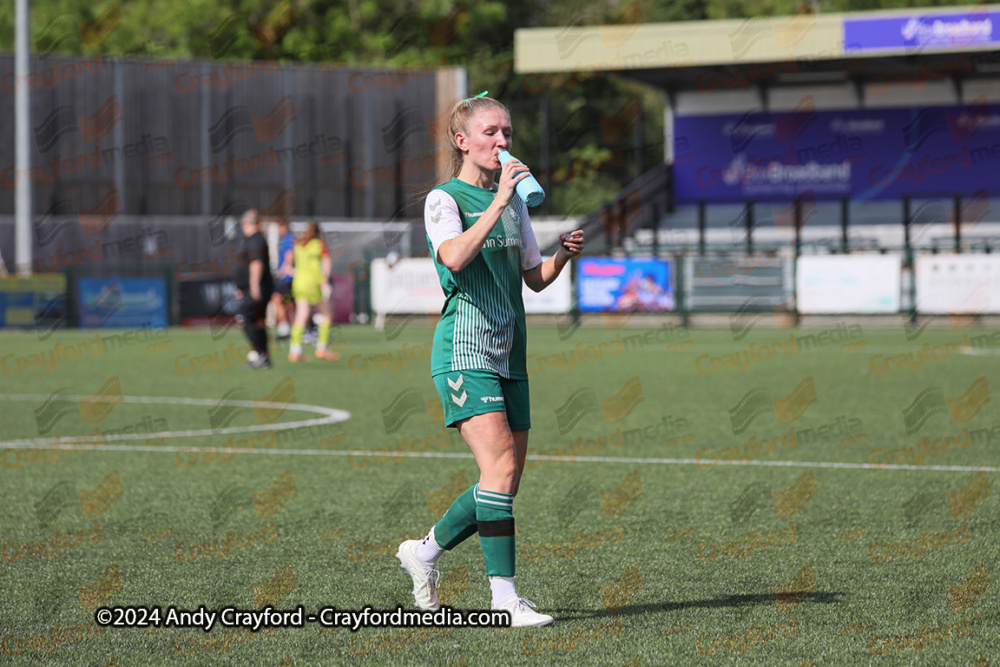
<point x="332" y="416"/>
<point x="329" y="416"/>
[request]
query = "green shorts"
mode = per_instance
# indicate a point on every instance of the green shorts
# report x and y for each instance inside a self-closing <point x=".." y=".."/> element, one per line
<point x="467" y="393"/>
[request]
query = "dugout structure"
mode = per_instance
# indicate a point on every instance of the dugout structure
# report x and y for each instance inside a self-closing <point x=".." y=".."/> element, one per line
<point x="775" y="127"/>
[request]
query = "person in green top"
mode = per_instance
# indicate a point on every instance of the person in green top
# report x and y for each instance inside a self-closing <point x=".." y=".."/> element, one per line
<point x="480" y="237"/>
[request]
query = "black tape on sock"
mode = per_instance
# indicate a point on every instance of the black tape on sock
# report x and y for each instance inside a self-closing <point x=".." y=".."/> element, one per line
<point x="499" y="528"/>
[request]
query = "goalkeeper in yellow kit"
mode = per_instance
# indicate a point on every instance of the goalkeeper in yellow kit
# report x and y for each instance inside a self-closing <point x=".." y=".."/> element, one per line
<point x="311" y="290"/>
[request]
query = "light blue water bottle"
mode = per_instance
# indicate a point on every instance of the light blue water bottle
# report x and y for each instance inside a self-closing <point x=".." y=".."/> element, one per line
<point x="527" y="188"/>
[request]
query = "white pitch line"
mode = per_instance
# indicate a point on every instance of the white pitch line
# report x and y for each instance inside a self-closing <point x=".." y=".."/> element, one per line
<point x="534" y="457"/>
<point x="332" y="416"/>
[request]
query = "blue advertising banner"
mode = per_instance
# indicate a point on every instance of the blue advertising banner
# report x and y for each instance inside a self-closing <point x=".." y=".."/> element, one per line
<point x="121" y="302"/>
<point x="954" y="30"/>
<point x="863" y="154"/>
<point x="623" y="285"/>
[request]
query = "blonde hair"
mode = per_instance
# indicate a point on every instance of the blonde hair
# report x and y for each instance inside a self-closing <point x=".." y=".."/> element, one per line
<point x="458" y="121"/>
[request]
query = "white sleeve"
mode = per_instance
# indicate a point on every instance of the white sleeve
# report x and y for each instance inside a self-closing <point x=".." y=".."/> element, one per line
<point x="441" y="219"/>
<point x="530" y="255"/>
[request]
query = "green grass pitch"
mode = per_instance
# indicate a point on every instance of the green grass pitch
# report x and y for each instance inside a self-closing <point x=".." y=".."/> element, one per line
<point x="650" y="544"/>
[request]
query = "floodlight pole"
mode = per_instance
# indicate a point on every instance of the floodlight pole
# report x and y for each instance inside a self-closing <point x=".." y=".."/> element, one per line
<point x="22" y="194"/>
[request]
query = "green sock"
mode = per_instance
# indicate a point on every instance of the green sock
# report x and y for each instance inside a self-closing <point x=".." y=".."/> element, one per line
<point x="324" y="336"/>
<point x="459" y="522"/>
<point x="297" y="331"/>
<point x="495" y="518"/>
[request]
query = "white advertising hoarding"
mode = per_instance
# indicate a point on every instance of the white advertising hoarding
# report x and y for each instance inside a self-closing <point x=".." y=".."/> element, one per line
<point x="411" y="286"/>
<point x="958" y="284"/>
<point x="848" y="284"/>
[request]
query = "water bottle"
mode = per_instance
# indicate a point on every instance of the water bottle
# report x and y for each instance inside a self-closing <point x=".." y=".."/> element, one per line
<point x="527" y="188"/>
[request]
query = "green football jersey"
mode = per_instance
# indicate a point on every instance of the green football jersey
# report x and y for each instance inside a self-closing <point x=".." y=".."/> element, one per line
<point x="482" y="322"/>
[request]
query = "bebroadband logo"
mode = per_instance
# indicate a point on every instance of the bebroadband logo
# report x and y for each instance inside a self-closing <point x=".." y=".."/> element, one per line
<point x="101" y="591"/>
<point x="965" y="595"/>
<point x="613" y="409"/>
<point x="65" y="119"/>
<point x="932" y="401"/>
<point x="266" y="128"/>
<point x="965" y="501"/>
<point x="97" y="501"/>
<point x="789" y="503"/>
<point x="789" y="596"/>
<point x="618" y="594"/>
<point x="758" y="401"/>
<point x="270" y="501"/>
<point x="616" y="502"/>
<point x="276" y="590"/>
<point x="439" y="500"/>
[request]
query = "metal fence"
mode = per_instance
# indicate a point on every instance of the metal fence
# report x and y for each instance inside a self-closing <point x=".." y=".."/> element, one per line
<point x="195" y="138"/>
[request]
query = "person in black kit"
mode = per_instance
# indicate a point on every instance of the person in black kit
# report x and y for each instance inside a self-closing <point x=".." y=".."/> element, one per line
<point x="254" y="287"/>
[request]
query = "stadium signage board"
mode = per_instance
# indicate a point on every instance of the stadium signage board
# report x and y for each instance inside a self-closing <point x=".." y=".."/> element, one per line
<point x="914" y="32"/>
<point x="865" y="154"/>
<point x="611" y="284"/>
<point x="847" y="284"/>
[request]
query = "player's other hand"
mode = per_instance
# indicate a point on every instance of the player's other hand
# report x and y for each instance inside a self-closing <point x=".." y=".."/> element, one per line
<point x="326" y="291"/>
<point x="571" y="244"/>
